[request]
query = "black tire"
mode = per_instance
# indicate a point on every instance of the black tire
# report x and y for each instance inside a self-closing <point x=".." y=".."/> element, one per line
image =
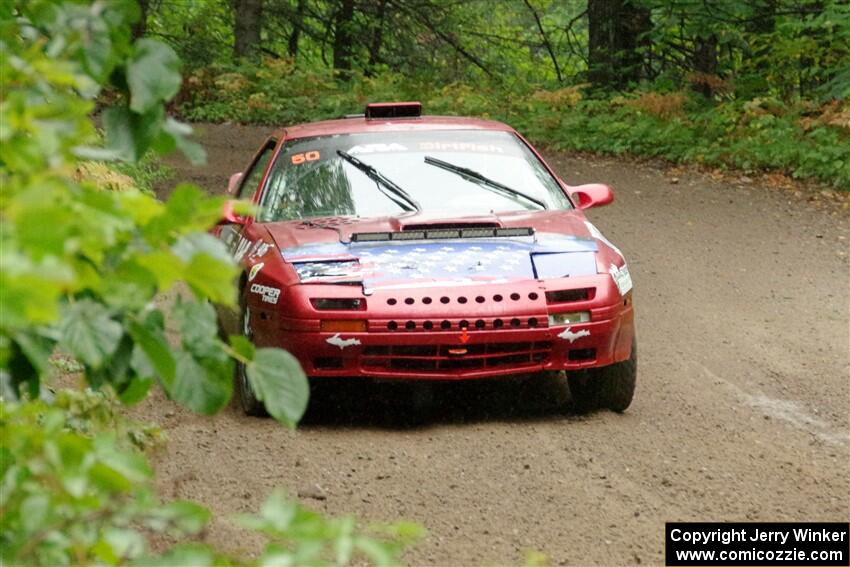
<point x="247" y="399"/>
<point x="611" y="387"/>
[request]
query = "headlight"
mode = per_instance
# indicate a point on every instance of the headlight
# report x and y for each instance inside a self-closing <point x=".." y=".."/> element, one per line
<point x="622" y="278"/>
<point x="338" y="304"/>
<point x="313" y="271"/>
<point x="569" y="318"/>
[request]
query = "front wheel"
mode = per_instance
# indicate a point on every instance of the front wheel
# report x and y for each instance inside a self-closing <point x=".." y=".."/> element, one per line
<point x="247" y="399"/>
<point x="611" y="387"/>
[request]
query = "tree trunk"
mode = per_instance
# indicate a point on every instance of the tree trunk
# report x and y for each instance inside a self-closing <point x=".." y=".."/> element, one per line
<point x="377" y="38"/>
<point x="614" y="38"/>
<point x="246" y="29"/>
<point x="296" y="29"/>
<point x="141" y="26"/>
<point x="343" y="38"/>
<point x="705" y="63"/>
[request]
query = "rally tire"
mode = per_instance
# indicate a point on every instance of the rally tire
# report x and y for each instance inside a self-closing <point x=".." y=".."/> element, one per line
<point x="610" y="387"/>
<point x="618" y="383"/>
<point x="247" y="399"/>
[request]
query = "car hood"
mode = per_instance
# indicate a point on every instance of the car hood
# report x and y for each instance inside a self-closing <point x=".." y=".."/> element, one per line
<point x="322" y="251"/>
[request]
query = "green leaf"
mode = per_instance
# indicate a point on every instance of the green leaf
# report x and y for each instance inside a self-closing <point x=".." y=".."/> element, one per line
<point x="124" y="542"/>
<point x="130" y="134"/>
<point x="184" y="555"/>
<point x="197" y="388"/>
<point x="155" y="352"/>
<point x="187" y="517"/>
<point x="88" y="333"/>
<point x="136" y="389"/>
<point x="153" y="75"/>
<point x="34" y="510"/>
<point x="242" y="346"/>
<point x="180" y="132"/>
<point x="279" y="381"/>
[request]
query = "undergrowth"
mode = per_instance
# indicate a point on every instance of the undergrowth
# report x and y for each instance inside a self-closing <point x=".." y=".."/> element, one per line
<point x="803" y="140"/>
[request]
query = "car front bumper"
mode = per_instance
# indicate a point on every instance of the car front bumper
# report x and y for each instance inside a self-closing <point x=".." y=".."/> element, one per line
<point x="454" y="333"/>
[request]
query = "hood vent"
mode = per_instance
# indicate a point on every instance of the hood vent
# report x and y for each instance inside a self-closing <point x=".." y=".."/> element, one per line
<point x="450" y="225"/>
<point x="442" y="234"/>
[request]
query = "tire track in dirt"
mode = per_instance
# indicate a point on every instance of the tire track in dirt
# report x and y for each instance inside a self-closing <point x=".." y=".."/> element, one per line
<point x="741" y="411"/>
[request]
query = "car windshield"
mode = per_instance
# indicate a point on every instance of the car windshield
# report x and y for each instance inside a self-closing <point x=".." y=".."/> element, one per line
<point x="389" y="175"/>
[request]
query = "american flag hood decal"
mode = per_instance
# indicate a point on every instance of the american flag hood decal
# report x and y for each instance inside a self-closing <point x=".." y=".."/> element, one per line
<point x="444" y="262"/>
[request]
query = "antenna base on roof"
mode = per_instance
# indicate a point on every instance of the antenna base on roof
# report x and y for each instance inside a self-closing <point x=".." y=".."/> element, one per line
<point x="393" y="110"/>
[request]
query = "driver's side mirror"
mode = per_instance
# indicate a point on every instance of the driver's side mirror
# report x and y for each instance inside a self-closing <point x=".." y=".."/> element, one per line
<point x="229" y="216"/>
<point x="233" y="184"/>
<point x="591" y="195"/>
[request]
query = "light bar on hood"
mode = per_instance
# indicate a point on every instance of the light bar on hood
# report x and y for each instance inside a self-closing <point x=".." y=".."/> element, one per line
<point x="442" y="234"/>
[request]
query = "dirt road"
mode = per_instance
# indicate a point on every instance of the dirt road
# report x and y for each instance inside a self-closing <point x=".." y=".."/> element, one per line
<point x="741" y="412"/>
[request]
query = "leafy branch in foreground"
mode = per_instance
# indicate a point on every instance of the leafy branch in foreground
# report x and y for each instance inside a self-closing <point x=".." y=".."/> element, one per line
<point x="84" y="495"/>
<point x="82" y="266"/>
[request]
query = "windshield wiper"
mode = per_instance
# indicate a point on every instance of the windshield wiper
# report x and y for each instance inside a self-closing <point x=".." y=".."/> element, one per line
<point x="396" y="194"/>
<point x="484" y="181"/>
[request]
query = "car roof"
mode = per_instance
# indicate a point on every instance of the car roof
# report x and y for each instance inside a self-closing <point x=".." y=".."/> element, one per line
<point x="361" y="124"/>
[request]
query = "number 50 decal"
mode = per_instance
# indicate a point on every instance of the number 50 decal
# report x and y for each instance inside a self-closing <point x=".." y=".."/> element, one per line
<point x="298" y="159"/>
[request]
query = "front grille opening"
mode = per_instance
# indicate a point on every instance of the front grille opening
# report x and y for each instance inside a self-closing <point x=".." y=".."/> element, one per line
<point x="568" y="295"/>
<point x="327" y="362"/>
<point x="378" y="350"/>
<point x="577" y="354"/>
<point x="429" y="358"/>
<point x="415" y="350"/>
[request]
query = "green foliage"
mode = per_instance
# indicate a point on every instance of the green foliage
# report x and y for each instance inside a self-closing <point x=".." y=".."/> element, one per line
<point x="85" y="254"/>
<point x="803" y="140"/>
<point x="77" y="490"/>
<point x="147" y="173"/>
<point x="299" y="536"/>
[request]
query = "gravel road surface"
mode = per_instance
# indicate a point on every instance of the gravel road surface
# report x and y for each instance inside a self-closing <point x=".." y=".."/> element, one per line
<point x="741" y="411"/>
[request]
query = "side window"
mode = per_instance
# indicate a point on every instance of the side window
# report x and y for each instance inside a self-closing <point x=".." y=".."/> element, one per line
<point x="252" y="178"/>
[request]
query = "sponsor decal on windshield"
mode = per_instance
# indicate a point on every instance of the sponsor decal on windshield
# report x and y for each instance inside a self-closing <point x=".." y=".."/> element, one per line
<point x="376" y="148"/>
<point x="461" y="147"/>
<point x="312" y="155"/>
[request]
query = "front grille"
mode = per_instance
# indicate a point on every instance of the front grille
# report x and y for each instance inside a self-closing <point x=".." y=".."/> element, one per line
<point x="471" y="323"/>
<point x="438" y="358"/>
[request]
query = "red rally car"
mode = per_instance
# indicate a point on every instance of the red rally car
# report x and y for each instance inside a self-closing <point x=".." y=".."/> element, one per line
<point x="397" y="246"/>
